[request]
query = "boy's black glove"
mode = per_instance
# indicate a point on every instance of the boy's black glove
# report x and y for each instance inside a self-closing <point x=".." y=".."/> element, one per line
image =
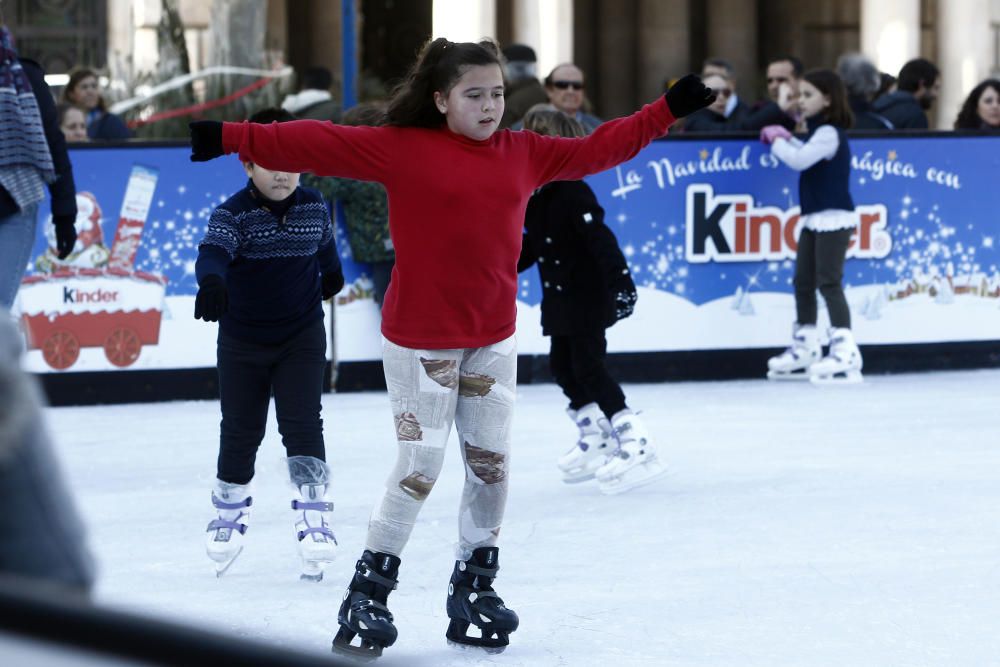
<point x="206" y="140"/>
<point x="212" y="300"/>
<point x="625" y="295"/>
<point x="688" y="95"/>
<point x="332" y="283"/>
<point x="65" y="234"/>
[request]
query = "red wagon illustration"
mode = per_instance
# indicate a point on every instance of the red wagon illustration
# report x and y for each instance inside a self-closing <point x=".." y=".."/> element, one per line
<point x="117" y="310"/>
<point x="94" y="297"/>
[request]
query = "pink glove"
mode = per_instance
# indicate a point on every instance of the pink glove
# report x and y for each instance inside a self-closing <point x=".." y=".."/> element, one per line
<point x="771" y="132"/>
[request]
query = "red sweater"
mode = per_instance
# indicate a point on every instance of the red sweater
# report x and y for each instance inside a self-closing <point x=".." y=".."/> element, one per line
<point x="456" y="207"/>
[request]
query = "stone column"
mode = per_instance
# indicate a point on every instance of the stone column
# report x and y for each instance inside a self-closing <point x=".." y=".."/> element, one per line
<point x="616" y="47"/>
<point x="663" y="45"/>
<point x="464" y="20"/>
<point x="732" y="35"/>
<point x="890" y="32"/>
<point x="121" y="47"/>
<point x="547" y="27"/>
<point x="965" y="53"/>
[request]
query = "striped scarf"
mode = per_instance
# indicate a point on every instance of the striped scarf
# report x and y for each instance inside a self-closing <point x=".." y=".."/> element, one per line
<point x="25" y="160"/>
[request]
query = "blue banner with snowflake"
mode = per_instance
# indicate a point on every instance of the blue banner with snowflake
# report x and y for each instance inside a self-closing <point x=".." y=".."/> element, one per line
<point x="709" y="228"/>
<point x="704" y="219"/>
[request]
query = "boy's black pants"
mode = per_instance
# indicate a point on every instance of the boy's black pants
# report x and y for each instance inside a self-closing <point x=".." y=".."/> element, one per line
<point x="249" y="373"/>
<point x="577" y="364"/>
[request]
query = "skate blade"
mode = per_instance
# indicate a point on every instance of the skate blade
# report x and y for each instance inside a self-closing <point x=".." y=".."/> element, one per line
<point x="221" y="567"/>
<point x="577" y="478"/>
<point x="492" y="650"/>
<point x="365" y="652"/>
<point x="848" y="377"/>
<point x="650" y="474"/>
<point x="794" y="376"/>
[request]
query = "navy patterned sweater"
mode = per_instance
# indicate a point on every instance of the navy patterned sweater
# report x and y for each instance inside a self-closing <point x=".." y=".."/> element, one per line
<point x="271" y="255"/>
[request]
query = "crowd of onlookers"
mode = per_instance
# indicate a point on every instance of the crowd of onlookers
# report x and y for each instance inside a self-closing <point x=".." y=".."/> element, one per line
<point x="878" y="100"/>
<point x="82" y="112"/>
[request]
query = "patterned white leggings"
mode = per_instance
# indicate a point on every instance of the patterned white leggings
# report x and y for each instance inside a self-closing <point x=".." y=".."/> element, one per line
<point x="430" y="389"/>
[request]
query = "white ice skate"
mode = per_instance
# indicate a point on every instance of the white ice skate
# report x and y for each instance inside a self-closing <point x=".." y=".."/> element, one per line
<point x="795" y="362"/>
<point x="226" y="532"/>
<point x="310" y="478"/>
<point x="592" y="449"/>
<point x="634" y="463"/>
<point x="842" y="365"/>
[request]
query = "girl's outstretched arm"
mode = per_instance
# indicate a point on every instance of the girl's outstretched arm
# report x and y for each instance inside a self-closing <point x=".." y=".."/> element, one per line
<point x="800" y="156"/>
<point x="318" y="147"/>
<point x="614" y="142"/>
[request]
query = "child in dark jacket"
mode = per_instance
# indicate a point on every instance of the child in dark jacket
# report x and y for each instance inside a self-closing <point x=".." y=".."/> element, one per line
<point x="267" y="260"/>
<point x="586" y="288"/>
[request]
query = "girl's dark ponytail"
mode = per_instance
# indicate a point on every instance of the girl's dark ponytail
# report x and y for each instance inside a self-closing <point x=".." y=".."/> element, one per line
<point x="439" y="65"/>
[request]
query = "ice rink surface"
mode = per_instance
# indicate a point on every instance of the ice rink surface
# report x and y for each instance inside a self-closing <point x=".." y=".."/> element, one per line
<point x="798" y="526"/>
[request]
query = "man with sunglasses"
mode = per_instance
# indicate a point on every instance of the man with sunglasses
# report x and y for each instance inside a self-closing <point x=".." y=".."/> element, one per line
<point x="564" y="86"/>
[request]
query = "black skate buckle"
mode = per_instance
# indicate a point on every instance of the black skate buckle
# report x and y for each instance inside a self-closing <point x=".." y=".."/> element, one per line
<point x="372" y="576"/>
<point x="490" y="572"/>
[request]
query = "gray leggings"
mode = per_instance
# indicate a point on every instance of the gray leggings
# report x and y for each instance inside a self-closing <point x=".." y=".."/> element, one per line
<point x="430" y="389"/>
<point x="819" y="264"/>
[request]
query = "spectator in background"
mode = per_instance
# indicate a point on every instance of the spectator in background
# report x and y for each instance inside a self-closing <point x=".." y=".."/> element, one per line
<point x="366" y="209"/>
<point x="713" y="118"/>
<point x="83" y="90"/>
<point x="73" y="122"/>
<point x="981" y="109"/>
<point x="862" y="80"/>
<point x="313" y="101"/>
<point x="523" y="90"/>
<point x="33" y="156"/>
<point x="723" y="68"/>
<point x="916" y="90"/>
<point x="41" y="536"/>
<point x="729" y="114"/>
<point x="783" y="75"/>
<point x="564" y="86"/>
<point x="887" y="84"/>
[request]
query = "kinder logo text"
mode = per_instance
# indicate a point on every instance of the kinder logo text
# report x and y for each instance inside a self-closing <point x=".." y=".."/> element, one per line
<point x="76" y="295"/>
<point x="729" y="228"/>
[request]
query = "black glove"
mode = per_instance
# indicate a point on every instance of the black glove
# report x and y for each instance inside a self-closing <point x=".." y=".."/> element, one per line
<point x="332" y="283"/>
<point x="65" y="234"/>
<point x="212" y="300"/>
<point x="625" y="295"/>
<point x="206" y="140"/>
<point x="688" y="95"/>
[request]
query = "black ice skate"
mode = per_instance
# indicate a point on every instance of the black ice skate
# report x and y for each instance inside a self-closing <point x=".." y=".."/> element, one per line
<point x="471" y="599"/>
<point x="363" y="613"/>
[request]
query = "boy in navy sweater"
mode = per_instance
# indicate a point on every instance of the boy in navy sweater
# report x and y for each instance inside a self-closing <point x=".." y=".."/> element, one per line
<point x="267" y="260"/>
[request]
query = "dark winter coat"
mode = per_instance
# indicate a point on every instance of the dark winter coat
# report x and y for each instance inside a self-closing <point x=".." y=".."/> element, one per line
<point x="742" y="119"/>
<point x="63" y="190"/>
<point x="902" y="110"/>
<point x="579" y="261"/>
<point x="106" y="126"/>
<point x="865" y="117"/>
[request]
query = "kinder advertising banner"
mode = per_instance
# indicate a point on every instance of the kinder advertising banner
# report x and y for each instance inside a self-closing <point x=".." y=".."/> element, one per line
<point x="709" y="229"/>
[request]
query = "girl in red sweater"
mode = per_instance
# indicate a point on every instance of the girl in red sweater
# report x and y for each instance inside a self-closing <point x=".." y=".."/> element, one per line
<point x="457" y="192"/>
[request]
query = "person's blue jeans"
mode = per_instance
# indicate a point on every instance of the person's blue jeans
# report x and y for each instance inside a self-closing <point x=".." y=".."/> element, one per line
<point x="17" y="236"/>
